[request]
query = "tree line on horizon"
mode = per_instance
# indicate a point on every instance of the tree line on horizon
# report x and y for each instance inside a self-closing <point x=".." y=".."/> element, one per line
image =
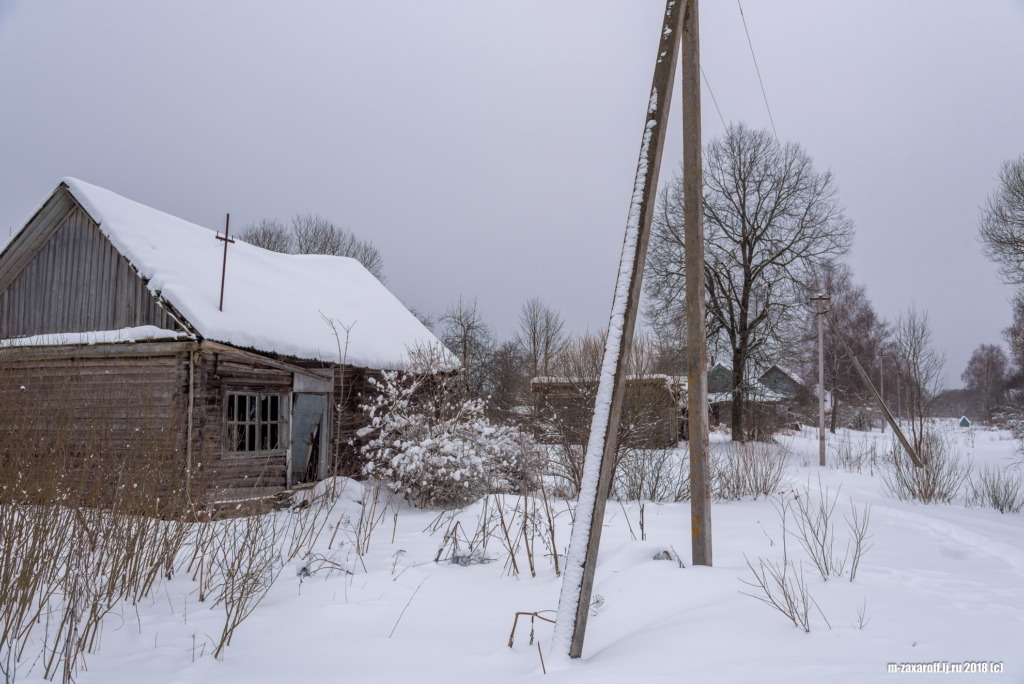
<point x="775" y="236"/>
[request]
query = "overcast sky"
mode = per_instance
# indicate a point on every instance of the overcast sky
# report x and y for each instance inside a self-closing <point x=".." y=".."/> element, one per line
<point x="488" y="148"/>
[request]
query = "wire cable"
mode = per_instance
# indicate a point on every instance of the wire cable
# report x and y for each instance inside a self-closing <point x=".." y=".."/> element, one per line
<point x="758" y="70"/>
<point x="713" y="98"/>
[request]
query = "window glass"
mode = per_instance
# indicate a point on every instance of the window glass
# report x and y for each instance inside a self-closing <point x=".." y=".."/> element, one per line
<point x="254" y="421"/>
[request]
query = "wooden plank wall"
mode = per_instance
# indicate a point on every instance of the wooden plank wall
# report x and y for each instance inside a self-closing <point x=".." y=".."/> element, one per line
<point x="225" y="474"/>
<point x="77" y="282"/>
<point x="651" y="413"/>
<point x="105" y="420"/>
<point x="351" y="390"/>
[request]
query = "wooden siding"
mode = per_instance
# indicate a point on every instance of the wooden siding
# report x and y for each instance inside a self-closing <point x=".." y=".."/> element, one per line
<point x="75" y="281"/>
<point x="224" y="473"/>
<point x="351" y="390"/>
<point x="98" y="420"/>
<point x="652" y="412"/>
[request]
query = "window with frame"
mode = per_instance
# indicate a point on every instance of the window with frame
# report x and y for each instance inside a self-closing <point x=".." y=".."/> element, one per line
<point x="256" y="422"/>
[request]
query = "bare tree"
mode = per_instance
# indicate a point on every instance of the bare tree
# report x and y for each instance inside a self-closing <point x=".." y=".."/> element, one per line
<point x="921" y="367"/>
<point x="269" y="234"/>
<point x="867" y="336"/>
<point x="1014" y="335"/>
<point x="1001" y="225"/>
<point x="313" y="234"/>
<point x="985" y="376"/>
<point x="316" y="235"/>
<point x="539" y="335"/>
<point x="466" y="334"/>
<point x="770" y="220"/>
<point x="507" y="384"/>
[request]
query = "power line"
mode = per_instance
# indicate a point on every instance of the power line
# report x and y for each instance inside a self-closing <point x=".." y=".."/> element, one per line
<point x="713" y="99"/>
<point x="758" y="70"/>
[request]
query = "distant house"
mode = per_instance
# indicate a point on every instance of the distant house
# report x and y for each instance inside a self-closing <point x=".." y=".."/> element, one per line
<point x="653" y="410"/>
<point x="772" y="398"/>
<point x="109" y="319"/>
<point x="783" y="384"/>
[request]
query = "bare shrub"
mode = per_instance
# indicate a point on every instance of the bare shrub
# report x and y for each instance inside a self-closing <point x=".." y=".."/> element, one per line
<point x="740" y="469"/>
<point x="854" y="456"/>
<point x="522" y="527"/>
<point x="858" y="523"/>
<point x="652" y="475"/>
<point x="783" y="587"/>
<point x="247" y="559"/>
<point x="997" y="488"/>
<point x="816" y="532"/>
<point x="941" y="479"/>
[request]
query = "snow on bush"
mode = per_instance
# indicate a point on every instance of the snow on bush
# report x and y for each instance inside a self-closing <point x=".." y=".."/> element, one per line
<point x="438" y="448"/>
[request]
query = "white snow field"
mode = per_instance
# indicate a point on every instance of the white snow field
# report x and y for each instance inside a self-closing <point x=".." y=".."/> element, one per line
<point x="941" y="587"/>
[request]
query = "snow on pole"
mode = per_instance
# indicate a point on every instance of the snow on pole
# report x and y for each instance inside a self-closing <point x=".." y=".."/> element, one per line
<point x="578" y="579"/>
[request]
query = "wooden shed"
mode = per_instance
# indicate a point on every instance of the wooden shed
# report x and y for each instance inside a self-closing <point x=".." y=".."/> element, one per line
<point x="653" y="410"/>
<point x="110" y="326"/>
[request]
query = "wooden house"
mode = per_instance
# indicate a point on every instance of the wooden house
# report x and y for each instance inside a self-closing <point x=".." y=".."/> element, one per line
<point x="653" y="410"/>
<point x="110" y="319"/>
<point x="773" y="399"/>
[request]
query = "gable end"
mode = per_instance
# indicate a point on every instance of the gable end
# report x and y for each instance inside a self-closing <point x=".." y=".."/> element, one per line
<point x="62" y="275"/>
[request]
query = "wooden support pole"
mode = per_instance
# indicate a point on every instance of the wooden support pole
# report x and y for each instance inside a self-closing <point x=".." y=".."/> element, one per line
<point x="696" y="334"/>
<point x="599" y="462"/>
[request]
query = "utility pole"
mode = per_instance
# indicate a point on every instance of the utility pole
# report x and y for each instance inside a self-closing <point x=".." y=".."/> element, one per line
<point x="696" y="336"/>
<point x="837" y="336"/>
<point x="581" y="561"/>
<point x="881" y="381"/>
<point x="822" y="304"/>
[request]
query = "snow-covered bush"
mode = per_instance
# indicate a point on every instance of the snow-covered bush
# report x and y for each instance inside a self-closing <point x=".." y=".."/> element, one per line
<point x="437" y="448"/>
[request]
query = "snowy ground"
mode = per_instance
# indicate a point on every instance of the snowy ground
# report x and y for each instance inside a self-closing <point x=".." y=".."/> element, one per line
<point x="941" y="583"/>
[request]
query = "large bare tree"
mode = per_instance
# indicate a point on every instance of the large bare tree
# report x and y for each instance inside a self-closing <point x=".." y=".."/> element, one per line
<point x="986" y="376"/>
<point x="770" y="221"/>
<point x="468" y="336"/>
<point x="920" y="365"/>
<point x="313" y="234"/>
<point x="1002" y="222"/>
<point x="539" y="335"/>
<point x="864" y="332"/>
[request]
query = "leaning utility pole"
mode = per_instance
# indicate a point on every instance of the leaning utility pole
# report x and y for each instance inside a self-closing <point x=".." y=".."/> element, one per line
<point x="696" y="336"/>
<point x="599" y="462"/>
<point x="822" y="304"/>
<point x="886" y="415"/>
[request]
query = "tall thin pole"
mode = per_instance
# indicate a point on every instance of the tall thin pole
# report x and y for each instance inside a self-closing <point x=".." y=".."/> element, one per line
<point x="881" y="381"/>
<point x="224" y="266"/>
<point x="696" y="336"/>
<point x="599" y="462"/>
<point x="821" y="303"/>
<point x="837" y="335"/>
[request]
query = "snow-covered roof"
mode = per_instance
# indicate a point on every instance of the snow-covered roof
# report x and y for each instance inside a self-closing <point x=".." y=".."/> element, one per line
<point x="273" y="302"/>
<point x="144" y="333"/>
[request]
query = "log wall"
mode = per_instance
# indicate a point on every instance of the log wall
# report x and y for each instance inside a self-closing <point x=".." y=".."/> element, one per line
<point x="224" y="473"/>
